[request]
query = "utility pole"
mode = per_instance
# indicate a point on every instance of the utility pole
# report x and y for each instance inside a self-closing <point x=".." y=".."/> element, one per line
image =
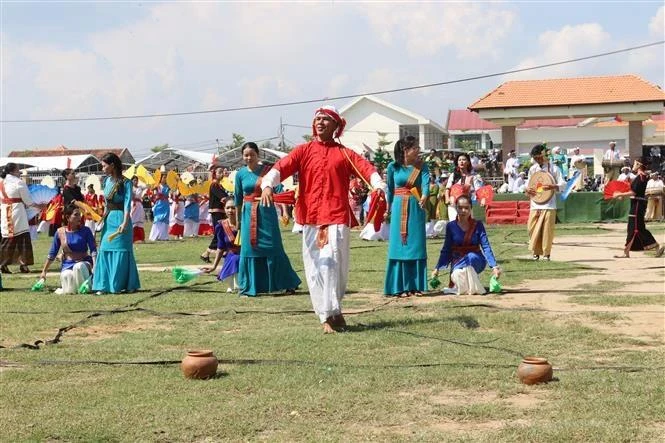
<point x="281" y="134"/>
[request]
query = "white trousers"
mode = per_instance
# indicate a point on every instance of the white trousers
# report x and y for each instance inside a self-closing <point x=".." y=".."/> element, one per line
<point x="466" y="281"/>
<point x="159" y="231"/>
<point x="326" y="269"/>
<point x="72" y="279"/>
<point x="191" y="228"/>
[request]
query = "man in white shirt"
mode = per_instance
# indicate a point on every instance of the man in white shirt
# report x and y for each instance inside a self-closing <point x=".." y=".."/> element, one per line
<point x="613" y="155"/>
<point x="542" y="216"/>
<point x="654" y="194"/>
<point x="510" y="170"/>
<point x="626" y="175"/>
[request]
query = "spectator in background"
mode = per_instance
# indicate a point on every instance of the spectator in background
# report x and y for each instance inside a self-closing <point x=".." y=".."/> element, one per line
<point x="520" y="183"/>
<point x="560" y="160"/>
<point x="578" y="163"/>
<point x="510" y="170"/>
<point x="71" y="191"/>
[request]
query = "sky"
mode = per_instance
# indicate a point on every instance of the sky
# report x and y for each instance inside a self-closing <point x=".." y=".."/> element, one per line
<point x="103" y="59"/>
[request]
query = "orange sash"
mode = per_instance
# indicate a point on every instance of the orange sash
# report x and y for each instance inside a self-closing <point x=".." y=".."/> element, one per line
<point x="254" y="211"/>
<point x="405" y="194"/>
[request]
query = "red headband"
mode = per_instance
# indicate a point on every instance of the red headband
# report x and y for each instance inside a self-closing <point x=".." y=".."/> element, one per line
<point x="331" y="112"/>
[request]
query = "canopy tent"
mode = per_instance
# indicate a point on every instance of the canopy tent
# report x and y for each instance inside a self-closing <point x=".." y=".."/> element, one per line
<point x="177" y="159"/>
<point x="22" y="164"/>
<point x="233" y="159"/>
<point x="80" y="163"/>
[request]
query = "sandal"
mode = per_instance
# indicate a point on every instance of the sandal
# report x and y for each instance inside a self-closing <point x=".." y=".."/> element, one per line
<point x="24" y="269"/>
<point x="418" y="294"/>
<point x="405" y="294"/>
<point x="5" y="270"/>
<point x="622" y="256"/>
<point x="204" y="259"/>
<point x="660" y="251"/>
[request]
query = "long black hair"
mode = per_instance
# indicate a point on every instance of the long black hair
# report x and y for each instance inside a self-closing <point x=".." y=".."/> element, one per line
<point x="8" y="169"/>
<point x="112" y="159"/>
<point x="458" y="174"/>
<point x="401" y="145"/>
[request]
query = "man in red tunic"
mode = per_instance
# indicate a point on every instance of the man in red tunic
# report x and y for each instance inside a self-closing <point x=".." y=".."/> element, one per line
<point x="324" y="169"/>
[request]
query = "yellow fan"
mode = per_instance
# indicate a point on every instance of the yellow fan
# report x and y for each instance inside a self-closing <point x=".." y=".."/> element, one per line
<point x="228" y="183"/>
<point x="185" y="190"/>
<point x="144" y="176"/>
<point x="204" y="188"/>
<point x="88" y="210"/>
<point x="157" y="177"/>
<point x="172" y="179"/>
<point x="130" y="172"/>
<point x="415" y="193"/>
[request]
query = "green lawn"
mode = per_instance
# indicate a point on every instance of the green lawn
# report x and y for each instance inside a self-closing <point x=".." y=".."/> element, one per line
<point x="441" y="370"/>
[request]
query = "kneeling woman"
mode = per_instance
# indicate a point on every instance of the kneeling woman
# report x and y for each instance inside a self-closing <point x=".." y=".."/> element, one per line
<point x="79" y="251"/>
<point x="467" y="250"/>
<point x="225" y="237"/>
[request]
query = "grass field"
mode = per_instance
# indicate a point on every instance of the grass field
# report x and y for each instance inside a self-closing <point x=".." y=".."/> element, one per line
<point x="440" y="369"/>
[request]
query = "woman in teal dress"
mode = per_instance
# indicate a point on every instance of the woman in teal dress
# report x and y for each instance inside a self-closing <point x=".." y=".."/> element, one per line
<point x="406" y="270"/>
<point x="264" y="266"/>
<point x="115" y="270"/>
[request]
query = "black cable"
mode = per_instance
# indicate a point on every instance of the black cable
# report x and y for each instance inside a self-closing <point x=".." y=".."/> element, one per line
<point x="275" y="362"/>
<point x="341" y="97"/>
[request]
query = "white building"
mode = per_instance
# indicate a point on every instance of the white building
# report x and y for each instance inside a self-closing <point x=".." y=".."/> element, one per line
<point x="367" y="116"/>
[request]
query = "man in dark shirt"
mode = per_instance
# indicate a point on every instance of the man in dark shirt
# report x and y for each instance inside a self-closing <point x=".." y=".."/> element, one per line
<point x="216" y="197"/>
<point x="71" y="191"/>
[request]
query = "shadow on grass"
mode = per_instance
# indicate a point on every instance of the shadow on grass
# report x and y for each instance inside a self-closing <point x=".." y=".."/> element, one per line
<point x="467" y="321"/>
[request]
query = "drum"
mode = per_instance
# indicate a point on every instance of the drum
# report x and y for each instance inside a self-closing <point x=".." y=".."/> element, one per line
<point x="654" y="192"/>
<point x="613" y="164"/>
<point x="536" y="182"/>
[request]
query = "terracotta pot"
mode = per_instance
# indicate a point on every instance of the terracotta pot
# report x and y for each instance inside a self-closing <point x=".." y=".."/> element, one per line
<point x="534" y="370"/>
<point x="199" y="364"/>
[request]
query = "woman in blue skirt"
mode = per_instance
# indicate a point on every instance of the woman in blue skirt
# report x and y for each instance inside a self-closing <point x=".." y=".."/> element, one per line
<point x="264" y="266"/>
<point x="115" y="270"/>
<point x="408" y="190"/>
<point x="226" y="232"/>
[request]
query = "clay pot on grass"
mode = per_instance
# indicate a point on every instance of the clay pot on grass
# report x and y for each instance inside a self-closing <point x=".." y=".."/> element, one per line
<point x="534" y="370"/>
<point x="199" y="364"/>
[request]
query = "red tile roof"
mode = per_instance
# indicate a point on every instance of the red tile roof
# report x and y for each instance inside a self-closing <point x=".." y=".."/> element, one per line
<point x="570" y="91"/>
<point x="465" y="120"/>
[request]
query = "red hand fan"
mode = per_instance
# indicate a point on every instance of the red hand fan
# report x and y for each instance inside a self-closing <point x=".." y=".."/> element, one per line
<point x="615" y="186"/>
<point x="485" y="195"/>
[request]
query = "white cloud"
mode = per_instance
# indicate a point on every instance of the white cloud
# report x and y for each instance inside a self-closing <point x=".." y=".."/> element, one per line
<point x="567" y="43"/>
<point x="657" y="23"/>
<point x="472" y="29"/>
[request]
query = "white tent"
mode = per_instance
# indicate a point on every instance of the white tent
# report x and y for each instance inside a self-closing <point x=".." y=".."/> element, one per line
<point x="60" y="162"/>
<point x="179" y="159"/>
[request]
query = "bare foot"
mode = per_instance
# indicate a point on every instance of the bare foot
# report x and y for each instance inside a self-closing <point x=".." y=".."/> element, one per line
<point x="338" y="322"/>
<point x="327" y="327"/>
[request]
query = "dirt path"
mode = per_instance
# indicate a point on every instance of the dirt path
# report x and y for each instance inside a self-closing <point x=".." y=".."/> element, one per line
<point x="646" y="322"/>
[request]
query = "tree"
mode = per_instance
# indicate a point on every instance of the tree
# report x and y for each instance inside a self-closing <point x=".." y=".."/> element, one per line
<point x="238" y="141"/>
<point x="465" y="145"/>
<point x="382" y="142"/>
<point x="307" y="137"/>
<point x="160" y="148"/>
